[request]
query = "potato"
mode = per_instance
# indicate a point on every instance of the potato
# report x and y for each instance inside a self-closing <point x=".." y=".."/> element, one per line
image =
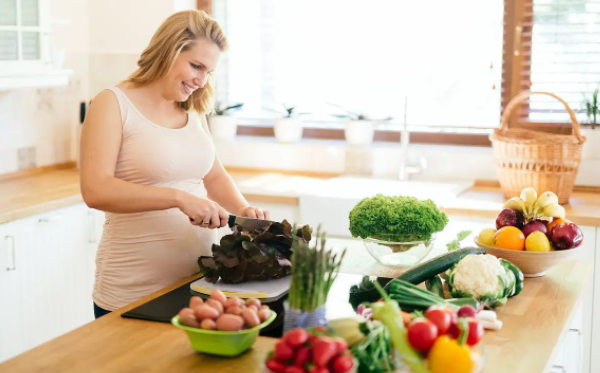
<point x="206" y="312"/>
<point x="188" y="319"/>
<point x="208" y="324"/>
<point x="264" y="314"/>
<point x="218" y="296"/>
<point x="215" y="304"/>
<point x="234" y="310"/>
<point x="186" y="310"/>
<point x="233" y="301"/>
<point x="229" y="323"/>
<point x="250" y="317"/>
<point x="195" y="301"/>
<point x="265" y="307"/>
<point x="253" y="301"/>
<point x="253" y="307"/>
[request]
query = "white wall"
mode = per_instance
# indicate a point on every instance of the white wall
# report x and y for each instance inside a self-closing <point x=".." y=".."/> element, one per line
<point x="45" y="119"/>
<point x="103" y="40"/>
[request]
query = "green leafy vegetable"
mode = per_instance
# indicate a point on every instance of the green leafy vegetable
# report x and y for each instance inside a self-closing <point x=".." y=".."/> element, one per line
<point x="396" y="219"/>
<point x="455" y="244"/>
<point x="253" y="255"/>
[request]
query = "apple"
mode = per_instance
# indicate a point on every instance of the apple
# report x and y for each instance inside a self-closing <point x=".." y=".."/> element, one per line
<point x="566" y="236"/>
<point x="534" y="226"/>
<point x="509" y="217"/>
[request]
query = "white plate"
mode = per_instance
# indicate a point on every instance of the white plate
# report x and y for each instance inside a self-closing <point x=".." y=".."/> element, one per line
<point x="265" y="290"/>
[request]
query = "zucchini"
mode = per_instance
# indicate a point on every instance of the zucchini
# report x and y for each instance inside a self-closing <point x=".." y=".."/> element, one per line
<point x="435" y="266"/>
<point x="518" y="275"/>
<point x="435" y="285"/>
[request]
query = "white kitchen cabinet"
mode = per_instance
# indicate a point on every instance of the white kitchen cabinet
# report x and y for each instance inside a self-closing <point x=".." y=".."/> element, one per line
<point x="50" y="279"/>
<point x="11" y="272"/>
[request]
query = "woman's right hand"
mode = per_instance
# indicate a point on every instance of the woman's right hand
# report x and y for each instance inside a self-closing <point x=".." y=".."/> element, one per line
<point x="203" y="212"/>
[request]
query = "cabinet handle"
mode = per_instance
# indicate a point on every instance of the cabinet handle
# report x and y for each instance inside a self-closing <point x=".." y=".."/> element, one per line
<point x="577" y="331"/>
<point x="12" y="261"/>
<point x="560" y="368"/>
<point x="50" y="219"/>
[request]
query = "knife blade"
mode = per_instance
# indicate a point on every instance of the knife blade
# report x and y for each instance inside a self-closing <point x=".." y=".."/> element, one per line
<point x="247" y="222"/>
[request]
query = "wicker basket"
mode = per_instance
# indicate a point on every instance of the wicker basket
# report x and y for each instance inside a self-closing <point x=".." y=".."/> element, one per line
<point x="544" y="161"/>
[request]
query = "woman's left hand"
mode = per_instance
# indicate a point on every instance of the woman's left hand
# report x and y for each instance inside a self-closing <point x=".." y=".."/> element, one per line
<point x="255" y="213"/>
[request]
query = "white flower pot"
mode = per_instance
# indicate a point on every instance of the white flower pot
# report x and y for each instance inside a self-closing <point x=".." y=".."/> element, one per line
<point x="591" y="147"/>
<point x="288" y="130"/>
<point x="359" y="132"/>
<point x="222" y="127"/>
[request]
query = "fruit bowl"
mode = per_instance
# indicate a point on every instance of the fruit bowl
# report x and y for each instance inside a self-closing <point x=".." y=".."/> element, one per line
<point x="398" y="254"/>
<point x="222" y="343"/>
<point x="531" y="263"/>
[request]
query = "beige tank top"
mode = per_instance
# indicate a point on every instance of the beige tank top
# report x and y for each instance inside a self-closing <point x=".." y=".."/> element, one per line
<point x="141" y="253"/>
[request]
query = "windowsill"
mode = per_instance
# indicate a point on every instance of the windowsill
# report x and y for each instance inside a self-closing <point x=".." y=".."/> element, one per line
<point x="35" y="79"/>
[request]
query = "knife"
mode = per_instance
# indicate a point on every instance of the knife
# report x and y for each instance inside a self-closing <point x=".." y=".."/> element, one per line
<point x="246" y="222"/>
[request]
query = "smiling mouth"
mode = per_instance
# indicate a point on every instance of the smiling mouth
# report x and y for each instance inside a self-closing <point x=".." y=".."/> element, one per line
<point x="188" y="89"/>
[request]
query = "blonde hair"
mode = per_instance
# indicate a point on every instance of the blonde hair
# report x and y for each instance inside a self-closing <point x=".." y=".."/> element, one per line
<point x="175" y="35"/>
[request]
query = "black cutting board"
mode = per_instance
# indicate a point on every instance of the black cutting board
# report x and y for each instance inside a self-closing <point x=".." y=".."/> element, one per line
<point x="163" y="308"/>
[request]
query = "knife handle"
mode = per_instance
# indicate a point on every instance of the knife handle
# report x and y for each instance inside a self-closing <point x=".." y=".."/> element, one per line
<point x="231" y="221"/>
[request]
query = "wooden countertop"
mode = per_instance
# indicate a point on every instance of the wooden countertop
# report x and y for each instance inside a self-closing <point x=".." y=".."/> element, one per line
<point x="534" y="322"/>
<point x="34" y="192"/>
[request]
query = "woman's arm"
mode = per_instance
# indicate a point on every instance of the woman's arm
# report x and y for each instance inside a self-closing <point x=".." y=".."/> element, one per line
<point x="100" y="144"/>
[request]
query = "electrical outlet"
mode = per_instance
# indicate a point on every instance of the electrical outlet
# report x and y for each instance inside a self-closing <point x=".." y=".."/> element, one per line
<point x="26" y="157"/>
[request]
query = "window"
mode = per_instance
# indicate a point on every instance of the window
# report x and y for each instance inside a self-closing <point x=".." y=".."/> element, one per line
<point x="23" y="35"/>
<point x="457" y="64"/>
<point x="440" y="60"/>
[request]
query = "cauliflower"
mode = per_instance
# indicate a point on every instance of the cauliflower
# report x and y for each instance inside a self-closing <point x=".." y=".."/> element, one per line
<point x="482" y="277"/>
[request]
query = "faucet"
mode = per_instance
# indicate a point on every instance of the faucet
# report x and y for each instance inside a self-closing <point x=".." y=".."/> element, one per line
<point x="405" y="168"/>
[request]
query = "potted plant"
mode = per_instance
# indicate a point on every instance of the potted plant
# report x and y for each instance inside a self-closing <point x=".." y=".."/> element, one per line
<point x="591" y="148"/>
<point x="222" y="125"/>
<point x="288" y="128"/>
<point x="359" y="128"/>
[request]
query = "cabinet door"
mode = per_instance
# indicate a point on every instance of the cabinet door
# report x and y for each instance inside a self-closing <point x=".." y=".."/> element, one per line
<point x="10" y="278"/>
<point x="54" y="251"/>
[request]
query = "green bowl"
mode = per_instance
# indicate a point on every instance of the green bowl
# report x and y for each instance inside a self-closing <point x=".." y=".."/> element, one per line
<point x="222" y="343"/>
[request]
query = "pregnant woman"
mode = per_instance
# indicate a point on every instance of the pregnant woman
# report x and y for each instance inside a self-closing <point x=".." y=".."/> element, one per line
<point x="148" y="161"/>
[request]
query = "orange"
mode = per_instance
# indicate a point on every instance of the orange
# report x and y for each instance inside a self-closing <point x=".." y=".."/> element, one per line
<point x="510" y="238"/>
<point x="556" y="222"/>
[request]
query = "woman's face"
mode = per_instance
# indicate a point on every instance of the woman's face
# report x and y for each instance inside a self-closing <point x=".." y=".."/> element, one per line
<point x="190" y="70"/>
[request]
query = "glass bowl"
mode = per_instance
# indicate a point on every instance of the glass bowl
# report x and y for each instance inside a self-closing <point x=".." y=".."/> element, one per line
<point x="398" y="254"/>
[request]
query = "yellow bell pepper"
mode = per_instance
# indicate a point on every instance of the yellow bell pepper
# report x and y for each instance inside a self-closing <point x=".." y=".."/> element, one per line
<point x="448" y="356"/>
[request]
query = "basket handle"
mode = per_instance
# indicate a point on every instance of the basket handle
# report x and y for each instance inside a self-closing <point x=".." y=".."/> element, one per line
<point x="525" y="95"/>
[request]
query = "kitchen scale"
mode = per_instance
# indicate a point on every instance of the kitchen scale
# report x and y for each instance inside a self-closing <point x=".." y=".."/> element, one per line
<point x="266" y="291"/>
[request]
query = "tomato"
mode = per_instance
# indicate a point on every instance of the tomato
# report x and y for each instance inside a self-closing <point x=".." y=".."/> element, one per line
<point x="275" y="366"/>
<point x="316" y="369"/>
<point x="440" y="318"/>
<point x="475" y="332"/>
<point x="283" y="352"/>
<point x="296" y="337"/>
<point x="422" y="334"/>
